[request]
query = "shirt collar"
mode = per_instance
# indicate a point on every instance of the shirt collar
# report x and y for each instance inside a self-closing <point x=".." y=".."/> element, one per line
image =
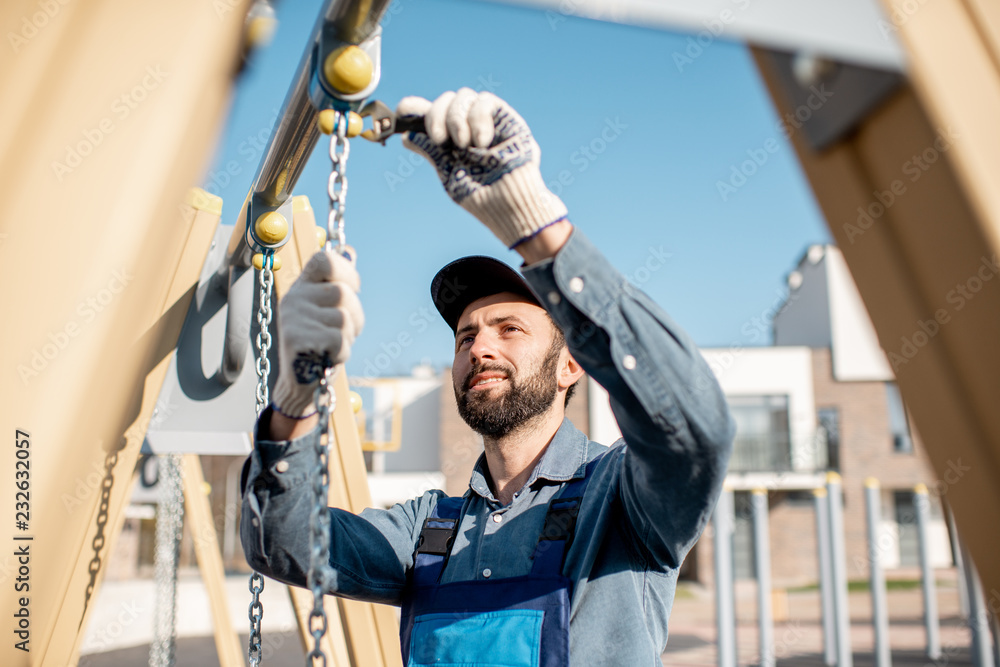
<point x="564" y="458"/>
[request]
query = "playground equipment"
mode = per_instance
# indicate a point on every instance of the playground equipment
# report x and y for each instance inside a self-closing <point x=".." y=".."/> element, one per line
<point x="86" y="384"/>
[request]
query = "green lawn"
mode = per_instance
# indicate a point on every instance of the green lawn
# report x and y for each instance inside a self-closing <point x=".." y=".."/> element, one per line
<point x="861" y="586"/>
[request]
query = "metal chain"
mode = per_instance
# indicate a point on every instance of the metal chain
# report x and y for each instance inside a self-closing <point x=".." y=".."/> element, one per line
<point x="256" y="614"/>
<point x="318" y="575"/>
<point x="169" y="523"/>
<point x="265" y="280"/>
<point x="340" y="150"/>
<point x="102" y="520"/>
<point x="319" y="523"/>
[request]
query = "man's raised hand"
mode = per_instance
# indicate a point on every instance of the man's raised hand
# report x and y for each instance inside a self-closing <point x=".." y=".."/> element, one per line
<point x="487" y="160"/>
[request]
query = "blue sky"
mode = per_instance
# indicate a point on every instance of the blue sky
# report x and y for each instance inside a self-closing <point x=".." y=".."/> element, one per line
<point x="640" y="145"/>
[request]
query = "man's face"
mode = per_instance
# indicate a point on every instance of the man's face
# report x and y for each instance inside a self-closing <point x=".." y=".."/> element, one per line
<point x="506" y="363"/>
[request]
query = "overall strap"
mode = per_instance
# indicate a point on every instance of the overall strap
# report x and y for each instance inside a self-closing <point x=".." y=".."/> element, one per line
<point x="560" y="524"/>
<point x="436" y="538"/>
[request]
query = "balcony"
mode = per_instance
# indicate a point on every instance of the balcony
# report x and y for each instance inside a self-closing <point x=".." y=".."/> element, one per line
<point x="774" y="452"/>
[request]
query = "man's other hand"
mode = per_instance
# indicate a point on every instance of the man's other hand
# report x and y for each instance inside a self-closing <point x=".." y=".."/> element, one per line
<point x="318" y="320"/>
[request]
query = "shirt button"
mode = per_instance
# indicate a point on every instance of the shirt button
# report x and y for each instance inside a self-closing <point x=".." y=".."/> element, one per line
<point x="576" y="284"/>
<point x="628" y="362"/>
<point x="254" y="522"/>
<point x="554" y="298"/>
<point x="487" y="573"/>
<point x="282" y="466"/>
<point x="497" y="518"/>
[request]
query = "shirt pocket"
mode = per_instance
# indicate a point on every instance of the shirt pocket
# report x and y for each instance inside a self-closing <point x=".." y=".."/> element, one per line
<point x="507" y="638"/>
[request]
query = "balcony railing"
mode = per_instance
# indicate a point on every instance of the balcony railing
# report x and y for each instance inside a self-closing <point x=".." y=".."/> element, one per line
<point x="774" y="452"/>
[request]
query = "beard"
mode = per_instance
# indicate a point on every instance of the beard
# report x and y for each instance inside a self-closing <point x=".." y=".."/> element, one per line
<point x="524" y="399"/>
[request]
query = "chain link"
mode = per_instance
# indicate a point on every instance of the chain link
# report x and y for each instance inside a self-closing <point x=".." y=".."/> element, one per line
<point x="169" y="523"/>
<point x="317" y="578"/>
<point x="340" y="150"/>
<point x="256" y="614"/>
<point x="265" y="280"/>
<point x="102" y="520"/>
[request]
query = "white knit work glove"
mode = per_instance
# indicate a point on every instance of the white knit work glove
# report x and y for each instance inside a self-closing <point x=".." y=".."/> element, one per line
<point x="491" y="166"/>
<point x="318" y="319"/>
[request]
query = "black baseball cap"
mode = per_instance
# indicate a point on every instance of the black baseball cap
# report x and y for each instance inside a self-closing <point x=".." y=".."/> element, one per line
<point x="463" y="281"/>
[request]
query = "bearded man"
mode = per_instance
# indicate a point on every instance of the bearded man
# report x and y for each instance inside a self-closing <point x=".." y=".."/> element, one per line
<point x="562" y="551"/>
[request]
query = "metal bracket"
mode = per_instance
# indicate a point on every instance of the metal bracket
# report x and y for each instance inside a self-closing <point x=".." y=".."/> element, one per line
<point x="320" y="91"/>
<point x="206" y="404"/>
<point x="259" y="205"/>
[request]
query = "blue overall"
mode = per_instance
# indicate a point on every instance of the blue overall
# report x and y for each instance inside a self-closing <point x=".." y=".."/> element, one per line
<point x="510" y="622"/>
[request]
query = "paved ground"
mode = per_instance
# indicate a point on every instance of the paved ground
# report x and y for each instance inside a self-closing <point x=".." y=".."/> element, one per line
<point x="121" y="627"/>
<point x="798" y="631"/>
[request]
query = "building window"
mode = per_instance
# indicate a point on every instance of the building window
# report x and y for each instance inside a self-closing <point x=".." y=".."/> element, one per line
<point x="762" y="437"/>
<point x="828" y="420"/>
<point x="899" y="426"/>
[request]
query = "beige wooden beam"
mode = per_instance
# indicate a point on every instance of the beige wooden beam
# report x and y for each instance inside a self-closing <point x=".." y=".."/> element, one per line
<point x="334" y="642"/>
<point x="72" y="604"/>
<point x="908" y="199"/>
<point x="206" y="546"/>
<point x="111" y="110"/>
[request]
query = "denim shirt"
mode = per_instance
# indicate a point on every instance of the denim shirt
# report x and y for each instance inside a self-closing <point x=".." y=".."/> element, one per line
<point x="645" y="506"/>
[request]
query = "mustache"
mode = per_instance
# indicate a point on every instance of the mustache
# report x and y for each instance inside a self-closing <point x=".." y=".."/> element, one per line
<point x="483" y="368"/>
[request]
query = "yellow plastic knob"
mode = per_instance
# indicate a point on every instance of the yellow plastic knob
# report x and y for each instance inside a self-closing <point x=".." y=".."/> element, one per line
<point x="258" y="262"/>
<point x="355" y="402"/>
<point x="327" y="118"/>
<point x="354" y="124"/>
<point x="260" y="30"/>
<point x="348" y="69"/>
<point x="320" y="236"/>
<point x="271" y="227"/>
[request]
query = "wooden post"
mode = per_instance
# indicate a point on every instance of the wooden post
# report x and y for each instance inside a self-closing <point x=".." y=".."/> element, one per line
<point x="206" y="546"/>
<point x="910" y="197"/>
<point x="98" y="260"/>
